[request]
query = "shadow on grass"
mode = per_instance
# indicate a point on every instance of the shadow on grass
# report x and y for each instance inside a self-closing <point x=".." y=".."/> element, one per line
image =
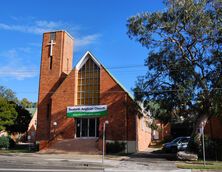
<point x="21" y="148"/>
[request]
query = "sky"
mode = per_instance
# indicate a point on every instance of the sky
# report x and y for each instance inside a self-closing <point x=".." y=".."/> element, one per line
<point x="96" y="25"/>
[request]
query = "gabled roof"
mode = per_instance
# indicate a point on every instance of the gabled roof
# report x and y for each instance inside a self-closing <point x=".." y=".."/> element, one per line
<point x="86" y="56"/>
<point x="31" y="110"/>
<point x="84" y="59"/>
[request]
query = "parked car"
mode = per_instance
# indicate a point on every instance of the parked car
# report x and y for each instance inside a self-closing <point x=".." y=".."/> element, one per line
<point x="178" y="144"/>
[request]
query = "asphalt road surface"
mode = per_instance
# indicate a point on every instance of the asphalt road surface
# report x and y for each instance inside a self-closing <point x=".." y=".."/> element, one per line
<point x="84" y="163"/>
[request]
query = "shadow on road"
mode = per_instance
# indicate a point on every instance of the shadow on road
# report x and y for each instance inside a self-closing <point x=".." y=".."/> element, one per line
<point x="156" y="154"/>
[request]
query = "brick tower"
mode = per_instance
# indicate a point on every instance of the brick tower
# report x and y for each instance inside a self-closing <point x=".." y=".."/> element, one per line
<point x="56" y="64"/>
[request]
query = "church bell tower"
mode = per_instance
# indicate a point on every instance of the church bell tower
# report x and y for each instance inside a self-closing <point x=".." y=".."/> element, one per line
<point x="56" y="64"/>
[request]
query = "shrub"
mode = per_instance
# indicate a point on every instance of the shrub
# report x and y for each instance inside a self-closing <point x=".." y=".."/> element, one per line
<point x="11" y="142"/>
<point x="115" y="147"/>
<point x="4" y="142"/>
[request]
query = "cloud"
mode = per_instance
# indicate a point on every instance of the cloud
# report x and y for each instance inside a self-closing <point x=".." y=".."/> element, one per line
<point x="12" y="72"/>
<point x="47" y="24"/>
<point x="86" y="40"/>
<point x="13" y="63"/>
<point x="34" y="27"/>
<point x="25" y="49"/>
<point x="9" y="54"/>
<point x="15" y="67"/>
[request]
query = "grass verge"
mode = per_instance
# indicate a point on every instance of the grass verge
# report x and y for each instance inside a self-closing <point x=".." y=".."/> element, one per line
<point x="15" y="151"/>
<point x="210" y="165"/>
<point x="20" y="149"/>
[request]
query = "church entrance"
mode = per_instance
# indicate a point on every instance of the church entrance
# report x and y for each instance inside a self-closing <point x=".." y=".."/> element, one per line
<point x="87" y="127"/>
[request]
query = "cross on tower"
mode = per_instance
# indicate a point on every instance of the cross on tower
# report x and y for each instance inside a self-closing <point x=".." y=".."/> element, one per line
<point x="51" y="43"/>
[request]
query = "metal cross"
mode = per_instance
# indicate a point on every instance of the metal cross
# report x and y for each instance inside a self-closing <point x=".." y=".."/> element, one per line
<point x="51" y="45"/>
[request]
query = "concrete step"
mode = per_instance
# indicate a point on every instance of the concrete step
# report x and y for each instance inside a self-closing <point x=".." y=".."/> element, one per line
<point x="82" y="146"/>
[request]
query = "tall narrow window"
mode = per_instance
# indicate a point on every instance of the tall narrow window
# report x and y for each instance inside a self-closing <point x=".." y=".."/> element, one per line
<point x="67" y="65"/>
<point x="88" y="84"/>
<point x="50" y="62"/>
<point x="52" y="36"/>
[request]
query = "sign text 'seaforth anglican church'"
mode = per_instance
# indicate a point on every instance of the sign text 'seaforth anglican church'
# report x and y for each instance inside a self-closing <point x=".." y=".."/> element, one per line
<point x="82" y="111"/>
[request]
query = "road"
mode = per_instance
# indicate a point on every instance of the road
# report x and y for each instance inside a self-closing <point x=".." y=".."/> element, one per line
<point x="74" y="162"/>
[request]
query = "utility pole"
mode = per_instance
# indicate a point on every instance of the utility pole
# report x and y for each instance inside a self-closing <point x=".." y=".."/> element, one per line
<point x="104" y="135"/>
<point x="203" y="144"/>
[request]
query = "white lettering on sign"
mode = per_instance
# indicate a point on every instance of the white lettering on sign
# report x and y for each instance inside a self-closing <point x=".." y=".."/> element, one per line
<point x="87" y="108"/>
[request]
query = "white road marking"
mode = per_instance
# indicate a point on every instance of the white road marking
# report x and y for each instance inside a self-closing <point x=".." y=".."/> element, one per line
<point x="56" y="170"/>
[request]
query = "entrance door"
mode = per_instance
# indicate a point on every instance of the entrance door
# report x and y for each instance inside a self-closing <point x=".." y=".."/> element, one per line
<point x="84" y="127"/>
<point x="87" y="127"/>
<point x="92" y="129"/>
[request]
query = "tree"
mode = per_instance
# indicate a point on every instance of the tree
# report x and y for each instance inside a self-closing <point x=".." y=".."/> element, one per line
<point x="184" y="62"/>
<point x="8" y="94"/>
<point x="26" y="103"/>
<point x="14" y="118"/>
<point x="21" y="122"/>
<point x="8" y="113"/>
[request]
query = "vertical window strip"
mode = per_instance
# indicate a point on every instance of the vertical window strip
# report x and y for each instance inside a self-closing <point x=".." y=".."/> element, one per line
<point x="53" y="36"/>
<point x="88" y="90"/>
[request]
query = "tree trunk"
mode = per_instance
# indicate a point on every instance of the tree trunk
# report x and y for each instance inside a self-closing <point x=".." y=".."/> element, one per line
<point x="195" y="140"/>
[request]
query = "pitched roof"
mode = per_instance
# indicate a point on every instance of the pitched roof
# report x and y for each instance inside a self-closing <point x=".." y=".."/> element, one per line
<point x="86" y="56"/>
<point x="84" y="59"/>
<point x="31" y="110"/>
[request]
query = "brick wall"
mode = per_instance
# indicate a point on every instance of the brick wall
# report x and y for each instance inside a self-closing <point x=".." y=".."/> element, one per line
<point x="121" y="115"/>
<point x="32" y="128"/>
<point x="143" y="133"/>
<point x="63" y="97"/>
<point x="213" y="128"/>
<point x="50" y="79"/>
<point x="58" y="89"/>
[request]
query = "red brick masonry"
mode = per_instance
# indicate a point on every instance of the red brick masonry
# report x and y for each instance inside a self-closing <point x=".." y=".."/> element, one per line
<point x="57" y="90"/>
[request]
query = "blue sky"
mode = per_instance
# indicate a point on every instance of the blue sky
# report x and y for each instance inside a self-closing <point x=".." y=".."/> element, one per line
<point x="97" y="25"/>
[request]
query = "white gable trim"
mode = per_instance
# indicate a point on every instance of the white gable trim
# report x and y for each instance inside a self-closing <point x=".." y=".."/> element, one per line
<point x="84" y="59"/>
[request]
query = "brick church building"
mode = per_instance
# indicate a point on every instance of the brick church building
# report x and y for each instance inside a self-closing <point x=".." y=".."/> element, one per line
<point x="74" y="103"/>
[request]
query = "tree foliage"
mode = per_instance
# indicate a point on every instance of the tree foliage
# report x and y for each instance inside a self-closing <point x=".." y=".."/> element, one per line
<point x="184" y="63"/>
<point x="8" y="94"/>
<point x="14" y="118"/>
<point x="8" y="113"/>
<point x="21" y="122"/>
<point x="26" y="103"/>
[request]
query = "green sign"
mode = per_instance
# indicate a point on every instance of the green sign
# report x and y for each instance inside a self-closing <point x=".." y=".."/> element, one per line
<point x="86" y="111"/>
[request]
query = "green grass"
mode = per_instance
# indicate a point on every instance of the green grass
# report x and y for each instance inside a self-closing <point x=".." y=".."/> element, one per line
<point x="19" y="149"/>
<point x="199" y="165"/>
<point x="15" y="151"/>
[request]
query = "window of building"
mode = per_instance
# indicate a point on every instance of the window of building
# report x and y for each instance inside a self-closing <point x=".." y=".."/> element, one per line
<point x="88" y="84"/>
<point x="52" y="36"/>
<point x="67" y="63"/>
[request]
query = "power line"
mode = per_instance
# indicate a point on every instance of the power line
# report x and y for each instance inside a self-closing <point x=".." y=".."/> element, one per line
<point x="22" y="73"/>
<point x="117" y="91"/>
<point x="114" y="67"/>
